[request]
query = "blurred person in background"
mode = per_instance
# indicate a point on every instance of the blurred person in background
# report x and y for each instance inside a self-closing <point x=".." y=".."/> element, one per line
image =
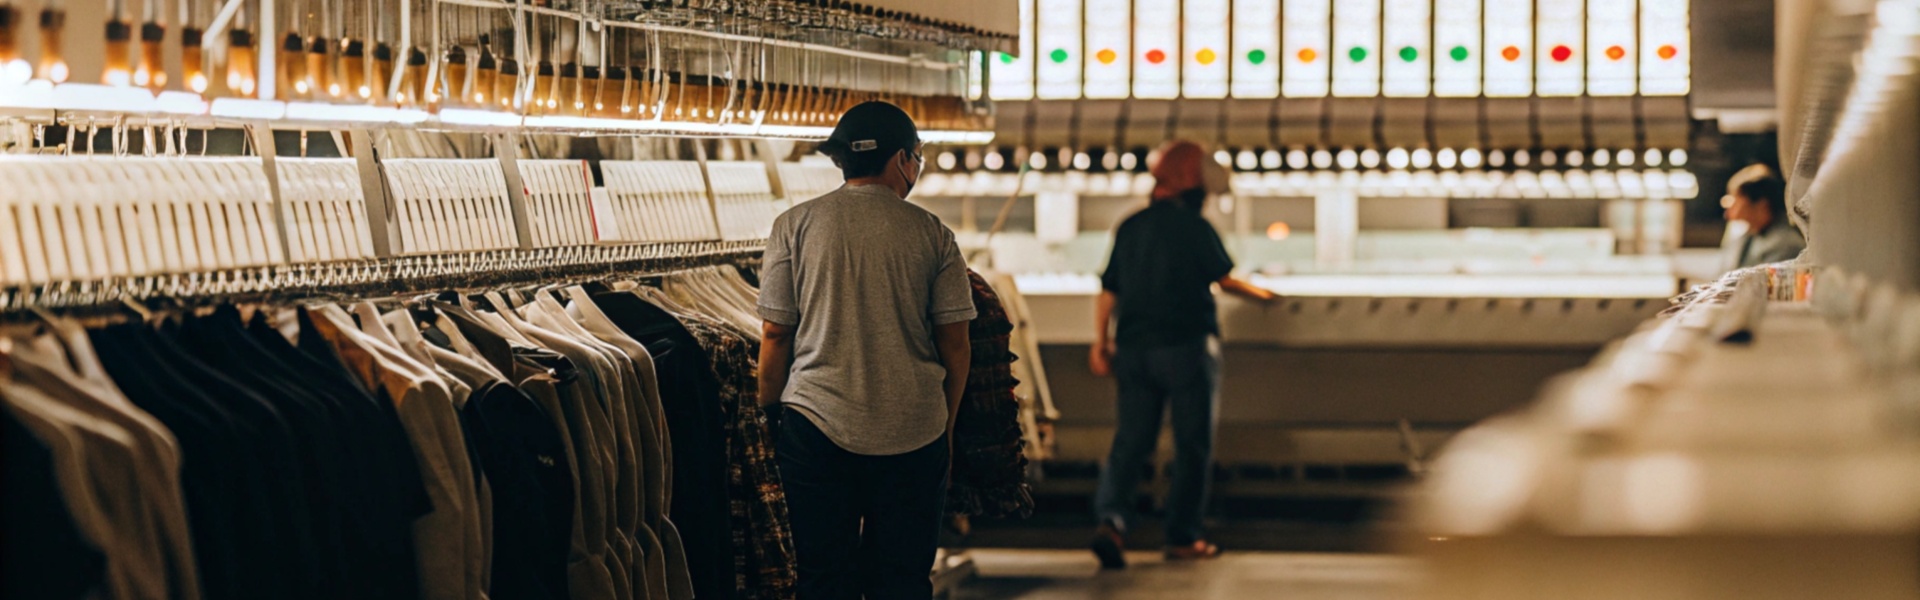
<point x="1164" y="351"/>
<point x="1759" y="230"/>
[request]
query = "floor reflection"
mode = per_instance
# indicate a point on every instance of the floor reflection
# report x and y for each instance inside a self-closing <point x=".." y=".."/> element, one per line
<point x="1073" y="575"/>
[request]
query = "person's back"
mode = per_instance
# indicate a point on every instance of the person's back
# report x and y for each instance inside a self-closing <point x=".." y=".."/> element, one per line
<point x="866" y="303"/>
<point x="864" y="267"/>
<point x="1164" y="263"/>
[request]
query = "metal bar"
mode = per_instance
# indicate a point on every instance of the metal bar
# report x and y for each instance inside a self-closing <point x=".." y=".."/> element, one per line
<point x="262" y="134"/>
<point x="373" y="190"/>
<point x="706" y="177"/>
<point x="217" y="30"/>
<point x="506" y="148"/>
<point x="267" y="51"/>
<point x="905" y="60"/>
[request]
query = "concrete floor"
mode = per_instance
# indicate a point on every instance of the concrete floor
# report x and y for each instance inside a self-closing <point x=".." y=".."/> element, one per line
<point x="1073" y="575"/>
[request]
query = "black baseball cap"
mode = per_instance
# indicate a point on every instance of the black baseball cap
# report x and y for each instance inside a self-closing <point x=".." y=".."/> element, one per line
<point x="875" y="126"/>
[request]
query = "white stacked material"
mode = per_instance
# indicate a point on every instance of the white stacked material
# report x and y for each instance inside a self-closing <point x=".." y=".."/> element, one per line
<point x="450" y="204"/>
<point x="808" y="180"/>
<point x="326" y="210"/>
<point x="1679" y="465"/>
<point x="660" y="200"/>
<point x="83" y="218"/>
<point x="743" y="199"/>
<point x="559" y="202"/>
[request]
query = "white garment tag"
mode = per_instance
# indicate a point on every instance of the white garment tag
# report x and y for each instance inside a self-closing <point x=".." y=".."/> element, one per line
<point x="605" y="226"/>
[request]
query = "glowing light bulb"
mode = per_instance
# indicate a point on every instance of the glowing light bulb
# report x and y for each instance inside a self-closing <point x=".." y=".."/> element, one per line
<point x="1497" y="159"/>
<point x="117" y="78"/>
<point x="1110" y="161"/>
<point x="1549" y="158"/>
<point x="1447" y="158"/>
<point x="1522" y="158"/>
<point x="1349" y="159"/>
<point x="479" y="98"/>
<point x="142" y="77"/>
<point x="333" y="89"/>
<point x="1653" y="158"/>
<point x="16" y="72"/>
<point x="298" y="86"/>
<point x="1296" y="159"/>
<point x="58" y="72"/>
<point x="1279" y="230"/>
<point x="1624" y="157"/>
<point x="1246" y="160"/>
<point x="1602" y="158"/>
<point x="1576" y="158"/>
<point x="946" y="161"/>
<point x="1422" y="158"/>
<point x="1270" y="160"/>
<point x="1081" y="161"/>
<point x="1677" y="157"/>
<point x="1222" y="157"/>
<point x="1470" y="158"/>
<point x="1370" y="158"/>
<point x="198" y="83"/>
<point x="1323" y="159"/>
<point x="994" y="161"/>
<point x="1127" y="161"/>
<point x="366" y="92"/>
<point x="1398" y="158"/>
<point x="1037" y="161"/>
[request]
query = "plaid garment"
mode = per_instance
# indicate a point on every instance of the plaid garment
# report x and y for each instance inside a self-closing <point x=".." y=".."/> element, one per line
<point x="764" y="567"/>
<point x="990" y="463"/>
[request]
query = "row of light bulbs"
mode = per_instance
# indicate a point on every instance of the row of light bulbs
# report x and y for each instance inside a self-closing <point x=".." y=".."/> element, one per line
<point x="1348" y="159"/>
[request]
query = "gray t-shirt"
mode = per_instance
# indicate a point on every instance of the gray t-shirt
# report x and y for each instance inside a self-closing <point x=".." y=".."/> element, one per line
<point x="865" y="276"/>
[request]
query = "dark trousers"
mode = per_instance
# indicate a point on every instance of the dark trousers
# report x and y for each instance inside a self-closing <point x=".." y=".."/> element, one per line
<point x="863" y="526"/>
<point x="1184" y="380"/>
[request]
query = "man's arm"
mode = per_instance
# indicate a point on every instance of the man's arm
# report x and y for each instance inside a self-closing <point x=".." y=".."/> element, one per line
<point x="776" y="360"/>
<point x="1100" y="357"/>
<point x="956" y="353"/>
<point x="1244" y="289"/>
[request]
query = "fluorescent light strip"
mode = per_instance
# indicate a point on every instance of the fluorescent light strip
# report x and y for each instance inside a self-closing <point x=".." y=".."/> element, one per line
<point x="352" y="113"/>
<point x="243" y="108"/>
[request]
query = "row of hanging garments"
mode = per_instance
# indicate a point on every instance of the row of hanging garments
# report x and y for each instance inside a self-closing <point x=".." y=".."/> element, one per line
<point x="589" y="441"/>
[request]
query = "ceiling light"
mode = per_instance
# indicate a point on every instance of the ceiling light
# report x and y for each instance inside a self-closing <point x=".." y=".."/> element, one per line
<point x="1422" y="158"/>
<point x="1296" y="159"/>
<point x="1446" y="158"/>
<point x="1348" y="159"/>
<point x="1370" y="158"/>
<point x="1397" y="158"/>
<point x="1246" y="160"/>
<point x="1323" y="159"/>
<point x="1270" y="160"/>
<point x="1082" y="162"/>
<point x="1470" y="158"/>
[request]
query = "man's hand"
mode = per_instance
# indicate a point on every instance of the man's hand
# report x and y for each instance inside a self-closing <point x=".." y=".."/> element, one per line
<point x="1100" y="359"/>
<point x="1247" y="290"/>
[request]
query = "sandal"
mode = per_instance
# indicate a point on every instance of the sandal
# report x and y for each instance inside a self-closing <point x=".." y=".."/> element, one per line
<point x="1196" y="551"/>
<point x="1109" y="547"/>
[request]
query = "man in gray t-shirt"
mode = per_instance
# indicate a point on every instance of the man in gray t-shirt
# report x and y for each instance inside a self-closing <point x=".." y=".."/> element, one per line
<point x="866" y="303"/>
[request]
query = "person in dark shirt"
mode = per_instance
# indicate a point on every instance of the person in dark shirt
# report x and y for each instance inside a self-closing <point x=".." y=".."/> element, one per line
<point x="1157" y="298"/>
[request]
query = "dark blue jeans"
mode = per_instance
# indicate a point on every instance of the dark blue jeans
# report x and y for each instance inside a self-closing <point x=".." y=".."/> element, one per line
<point x="1184" y="380"/>
<point x="863" y="526"/>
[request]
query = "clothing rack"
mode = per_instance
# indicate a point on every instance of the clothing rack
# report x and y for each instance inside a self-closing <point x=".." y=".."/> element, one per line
<point x="382" y="277"/>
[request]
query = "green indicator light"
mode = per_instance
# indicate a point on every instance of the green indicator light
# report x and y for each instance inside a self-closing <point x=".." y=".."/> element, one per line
<point x="1409" y="54"/>
<point x="1005" y="59"/>
<point x="1058" y="55"/>
<point x="1459" y="53"/>
<point x="1257" y="56"/>
<point x="1357" y="54"/>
